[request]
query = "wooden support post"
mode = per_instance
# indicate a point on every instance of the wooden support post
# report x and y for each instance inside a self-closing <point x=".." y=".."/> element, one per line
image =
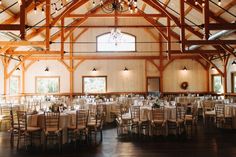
<point x="48" y="15"/>
<point x="161" y="64"/>
<point x="71" y="67"/>
<point x="22" y="19"/>
<point x="182" y="26"/>
<point x="207" y="79"/>
<point x="62" y="37"/>
<point x="23" y="79"/>
<point x="168" y="37"/>
<point x="206" y="19"/>
<point x="145" y="73"/>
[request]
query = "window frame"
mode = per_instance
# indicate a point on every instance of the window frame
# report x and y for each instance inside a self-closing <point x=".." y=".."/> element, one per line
<point x="59" y="89"/>
<point x="19" y="84"/>
<point x="94" y="77"/>
<point x="135" y="43"/>
<point x="212" y="81"/>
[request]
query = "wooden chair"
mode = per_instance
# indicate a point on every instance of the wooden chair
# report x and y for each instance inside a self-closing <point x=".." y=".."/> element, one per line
<point x="95" y="122"/>
<point x="208" y="111"/>
<point x="123" y="121"/>
<point x="5" y="117"/>
<point x="79" y="130"/>
<point x="158" y="120"/>
<point x="14" y="126"/>
<point x="52" y="130"/>
<point x="177" y="123"/>
<point x="135" y="118"/>
<point x="222" y="119"/>
<point x="26" y="132"/>
<point x="191" y="119"/>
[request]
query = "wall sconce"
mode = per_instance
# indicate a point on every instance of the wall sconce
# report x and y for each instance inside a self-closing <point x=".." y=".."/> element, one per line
<point x="17" y="69"/>
<point x="46" y="69"/>
<point x="94" y="69"/>
<point x="126" y="69"/>
<point x="185" y="68"/>
<point x="233" y="63"/>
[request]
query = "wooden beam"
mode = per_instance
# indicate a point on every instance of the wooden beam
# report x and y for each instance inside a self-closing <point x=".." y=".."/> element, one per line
<point x="206" y="19"/>
<point x="13" y="27"/>
<point x="224" y="26"/>
<point x="33" y="52"/>
<point x="62" y="37"/>
<point x="112" y="15"/>
<point x="211" y="63"/>
<point x="182" y="26"/>
<point x="78" y="64"/>
<point x="48" y="21"/>
<point x="22" y="19"/>
<point x="20" y="63"/>
<point x="210" y="42"/>
<point x="22" y="43"/>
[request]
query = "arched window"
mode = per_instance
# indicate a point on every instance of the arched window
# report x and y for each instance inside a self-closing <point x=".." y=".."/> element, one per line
<point x="124" y="42"/>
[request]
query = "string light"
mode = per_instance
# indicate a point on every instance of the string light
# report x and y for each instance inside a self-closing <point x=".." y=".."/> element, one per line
<point x="196" y="3"/>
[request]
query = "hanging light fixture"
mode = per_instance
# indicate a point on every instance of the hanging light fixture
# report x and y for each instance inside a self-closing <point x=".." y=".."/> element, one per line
<point x="126" y="69"/>
<point x="17" y="69"/>
<point x="233" y="63"/>
<point x="0" y="2"/>
<point x="213" y="68"/>
<point x="46" y="69"/>
<point x="219" y="2"/>
<point x="185" y="68"/>
<point x="115" y="36"/>
<point x="118" y="5"/>
<point x="94" y="69"/>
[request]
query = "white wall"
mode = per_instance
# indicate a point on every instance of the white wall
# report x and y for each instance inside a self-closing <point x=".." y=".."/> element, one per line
<point x="55" y="69"/>
<point x="117" y="79"/>
<point x="173" y="76"/>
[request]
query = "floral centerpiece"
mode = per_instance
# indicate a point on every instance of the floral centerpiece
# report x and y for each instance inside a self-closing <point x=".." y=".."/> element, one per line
<point x="56" y="107"/>
<point x="99" y="98"/>
<point x="156" y="104"/>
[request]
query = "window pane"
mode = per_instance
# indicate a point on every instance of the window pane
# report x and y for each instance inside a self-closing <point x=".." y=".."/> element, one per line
<point x="14" y="85"/>
<point x="217" y="84"/>
<point x="125" y="43"/>
<point x="47" y="85"/>
<point x="94" y="84"/>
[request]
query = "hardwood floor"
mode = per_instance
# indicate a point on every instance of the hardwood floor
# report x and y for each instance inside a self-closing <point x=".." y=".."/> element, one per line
<point x="206" y="142"/>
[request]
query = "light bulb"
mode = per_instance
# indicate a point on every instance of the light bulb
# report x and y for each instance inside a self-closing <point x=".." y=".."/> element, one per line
<point x="35" y="10"/>
<point x="0" y="2"/>
<point x="196" y="3"/>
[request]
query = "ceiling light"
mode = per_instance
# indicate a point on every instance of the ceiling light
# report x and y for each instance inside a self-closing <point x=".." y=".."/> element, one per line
<point x="213" y="68"/>
<point x="185" y="68"/>
<point x="233" y="63"/>
<point x="94" y="69"/>
<point x="46" y="69"/>
<point x="119" y="5"/>
<point x="126" y="69"/>
<point x="18" y="69"/>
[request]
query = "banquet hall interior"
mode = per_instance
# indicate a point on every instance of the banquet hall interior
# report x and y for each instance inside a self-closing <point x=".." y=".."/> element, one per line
<point x="109" y="78"/>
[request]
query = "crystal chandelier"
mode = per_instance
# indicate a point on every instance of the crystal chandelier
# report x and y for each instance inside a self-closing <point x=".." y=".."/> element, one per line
<point x="115" y="36"/>
<point x="119" y="5"/>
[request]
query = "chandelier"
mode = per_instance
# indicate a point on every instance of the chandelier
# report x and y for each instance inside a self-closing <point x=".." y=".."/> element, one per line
<point x="119" y="5"/>
<point x="115" y="36"/>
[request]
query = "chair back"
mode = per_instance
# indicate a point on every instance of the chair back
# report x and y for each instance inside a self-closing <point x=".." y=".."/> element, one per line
<point x="208" y="105"/>
<point x="220" y="110"/>
<point x="158" y="114"/>
<point x="51" y="120"/>
<point x="22" y="120"/>
<point x="180" y="112"/>
<point x="81" y="118"/>
<point x="135" y="112"/>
